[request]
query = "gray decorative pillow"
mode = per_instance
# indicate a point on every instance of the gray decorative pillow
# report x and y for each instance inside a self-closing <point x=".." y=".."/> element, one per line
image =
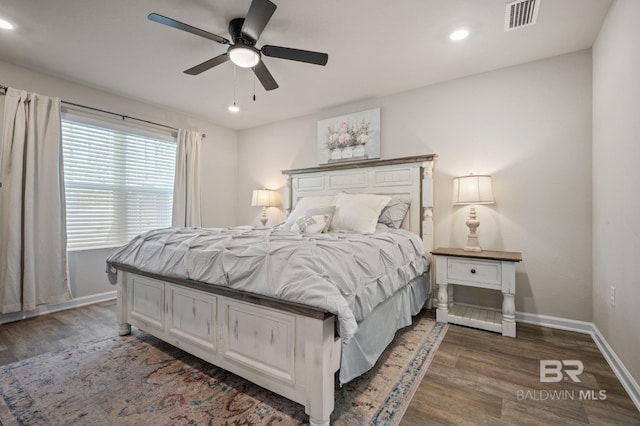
<point x="304" y="222"/>
<point x="326" y="211"/>
<point x="310" y="224"/>
<point x="394" y="212"/>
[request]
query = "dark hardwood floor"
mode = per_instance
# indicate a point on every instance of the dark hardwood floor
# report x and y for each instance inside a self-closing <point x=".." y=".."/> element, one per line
<point x="57" y="331"/>
<point x="483" y="378"/>
<point x="476" y="377"/>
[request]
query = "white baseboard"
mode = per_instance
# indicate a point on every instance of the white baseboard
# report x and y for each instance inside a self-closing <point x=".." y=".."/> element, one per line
<point x="555" y="322"/>
<point x="625" y="377"/>
<point x="628" y="382"/>
<point x="60" y="306"/>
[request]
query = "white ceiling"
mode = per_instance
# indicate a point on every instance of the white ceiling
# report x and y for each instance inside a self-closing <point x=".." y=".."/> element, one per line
<point x="375" y="47"/>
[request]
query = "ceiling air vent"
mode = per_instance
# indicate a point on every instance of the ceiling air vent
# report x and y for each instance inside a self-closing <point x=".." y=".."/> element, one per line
<point x="520" y="13"/>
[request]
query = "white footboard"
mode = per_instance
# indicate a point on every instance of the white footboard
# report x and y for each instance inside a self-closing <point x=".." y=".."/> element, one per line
<point x="294" y="354"/>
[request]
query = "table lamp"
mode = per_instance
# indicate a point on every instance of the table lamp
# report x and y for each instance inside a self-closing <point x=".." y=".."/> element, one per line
<point x="263" y="198"/>
<point x="472" y="190"/>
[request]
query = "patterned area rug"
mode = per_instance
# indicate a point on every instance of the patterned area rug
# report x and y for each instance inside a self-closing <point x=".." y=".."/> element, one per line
<point x="139" y="380"/>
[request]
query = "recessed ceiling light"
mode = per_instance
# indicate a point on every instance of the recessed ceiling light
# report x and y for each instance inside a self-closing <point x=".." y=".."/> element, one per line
<point x="458" y="35"/>
<point x="5" y="25"/>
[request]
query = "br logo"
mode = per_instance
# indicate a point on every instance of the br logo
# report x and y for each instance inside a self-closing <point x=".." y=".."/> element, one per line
<point x="551" y="370"/>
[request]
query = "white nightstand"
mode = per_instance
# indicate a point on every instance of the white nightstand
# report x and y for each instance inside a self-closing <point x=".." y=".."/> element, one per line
<point x="495" y="270"/>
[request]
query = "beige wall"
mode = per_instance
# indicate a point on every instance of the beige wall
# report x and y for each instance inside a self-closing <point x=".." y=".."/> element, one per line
<point x="616" y="182"/>
<point x="218" y="169"/>
<point x="529" y="126"/>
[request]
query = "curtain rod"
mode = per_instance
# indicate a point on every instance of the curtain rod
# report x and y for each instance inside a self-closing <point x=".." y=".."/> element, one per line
<point x="3" y="91"/>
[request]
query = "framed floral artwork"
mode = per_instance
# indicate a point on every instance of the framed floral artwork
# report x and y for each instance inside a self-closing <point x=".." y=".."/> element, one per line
<point x="350" y="137"/>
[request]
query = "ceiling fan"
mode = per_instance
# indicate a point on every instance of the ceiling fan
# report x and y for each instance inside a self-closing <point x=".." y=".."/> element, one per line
<point x="244" y="34"/>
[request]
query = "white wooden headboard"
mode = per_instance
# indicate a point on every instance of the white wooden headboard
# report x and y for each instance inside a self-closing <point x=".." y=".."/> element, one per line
<point x="408" y="177"/>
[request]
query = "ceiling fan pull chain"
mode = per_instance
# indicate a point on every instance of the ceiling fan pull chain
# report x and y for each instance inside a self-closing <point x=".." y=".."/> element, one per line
<point x="234" y="84"/>
<point x="234" y="108"/>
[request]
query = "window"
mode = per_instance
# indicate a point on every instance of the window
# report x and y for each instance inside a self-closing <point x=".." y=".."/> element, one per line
<point x="118" y="182"/>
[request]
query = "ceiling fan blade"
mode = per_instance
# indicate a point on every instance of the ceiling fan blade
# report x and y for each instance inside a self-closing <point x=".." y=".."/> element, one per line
<point x="308" y="56"/>
<point x="185" y="27"/>
<point x="265" y="76"/>
<point x="207" y="65"/>
<point x="259" y="14"/>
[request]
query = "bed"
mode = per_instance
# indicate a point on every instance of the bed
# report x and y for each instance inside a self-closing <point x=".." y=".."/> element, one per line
<point x="285" y="334"/>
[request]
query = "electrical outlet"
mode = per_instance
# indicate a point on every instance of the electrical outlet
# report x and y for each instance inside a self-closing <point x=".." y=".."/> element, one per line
<point x="612" y="295"/>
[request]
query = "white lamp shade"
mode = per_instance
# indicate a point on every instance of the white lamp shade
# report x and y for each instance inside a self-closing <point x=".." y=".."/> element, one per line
<point x="472" y="189"/>
<point x="264" y="198"/>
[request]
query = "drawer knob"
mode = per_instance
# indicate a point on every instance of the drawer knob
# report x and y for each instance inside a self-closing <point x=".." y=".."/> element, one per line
<point x="473" y="271"/>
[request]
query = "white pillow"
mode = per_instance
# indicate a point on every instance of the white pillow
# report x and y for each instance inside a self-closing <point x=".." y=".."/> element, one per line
<point x="358" y="212"/>
<point x="310" y="224"/>
<point x="309" y="203"/>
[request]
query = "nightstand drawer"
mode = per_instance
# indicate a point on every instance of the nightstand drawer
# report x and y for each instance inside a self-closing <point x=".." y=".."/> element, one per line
<point x="478" y="271"/>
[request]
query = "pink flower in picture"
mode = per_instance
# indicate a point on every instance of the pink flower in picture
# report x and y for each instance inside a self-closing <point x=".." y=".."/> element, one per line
<point x="344" y="138"/>
<point x="363" y="139"/>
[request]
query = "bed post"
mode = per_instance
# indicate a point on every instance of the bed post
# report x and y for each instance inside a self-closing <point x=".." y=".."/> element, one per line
<point x="288" y="193"/>
<point x="319" y="365"/>
<point x="124" y="327"/>
<point x="426" y="219"/>
<point x="427" y="206"/>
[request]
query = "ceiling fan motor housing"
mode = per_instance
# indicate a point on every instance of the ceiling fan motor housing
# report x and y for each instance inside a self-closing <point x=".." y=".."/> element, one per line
<point x="235" y="31"/>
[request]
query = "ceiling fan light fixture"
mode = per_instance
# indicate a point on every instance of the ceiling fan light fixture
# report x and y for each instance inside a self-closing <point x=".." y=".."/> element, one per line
<point x="6" y="25"/>
<point x="244" y="56"/>
<point x="459" y="34"/>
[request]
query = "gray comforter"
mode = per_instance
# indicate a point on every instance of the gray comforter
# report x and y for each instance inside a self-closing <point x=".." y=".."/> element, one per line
<point x="345" y="274"/>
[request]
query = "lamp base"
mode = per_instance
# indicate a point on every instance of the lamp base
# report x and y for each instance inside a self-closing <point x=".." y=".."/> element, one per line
<point x="264" y="218"/>
<point x="472" y="238"/>
<point x="470" y="247"/>
<point x="472" y="242"/>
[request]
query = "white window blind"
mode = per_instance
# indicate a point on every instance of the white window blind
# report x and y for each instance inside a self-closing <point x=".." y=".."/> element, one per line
<point x="118" y="183"/>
